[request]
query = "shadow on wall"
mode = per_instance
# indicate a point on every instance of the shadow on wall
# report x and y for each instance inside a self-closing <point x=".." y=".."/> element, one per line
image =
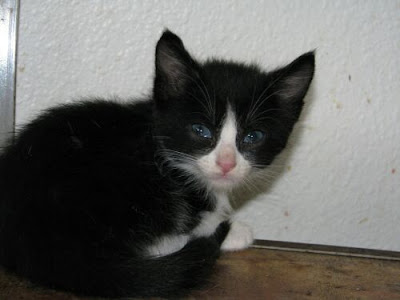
<point x="269" y="176"/>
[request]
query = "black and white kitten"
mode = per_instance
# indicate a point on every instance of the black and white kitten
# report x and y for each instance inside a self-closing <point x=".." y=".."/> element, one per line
<point x="111" y="199"/>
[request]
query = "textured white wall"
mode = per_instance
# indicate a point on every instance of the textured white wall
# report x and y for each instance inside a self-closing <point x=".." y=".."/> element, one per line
<point x="340" y="183"/>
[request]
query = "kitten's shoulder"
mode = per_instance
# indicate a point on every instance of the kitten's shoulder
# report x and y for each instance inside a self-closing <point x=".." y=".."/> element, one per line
<point x="109" y="111"/>
<point x="88" y="120"/>
<point x="99" y="113"/>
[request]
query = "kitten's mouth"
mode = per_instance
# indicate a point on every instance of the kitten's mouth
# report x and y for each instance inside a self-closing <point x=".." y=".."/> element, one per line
<point x="226" y="176"/>
<point x="224" y="180"/>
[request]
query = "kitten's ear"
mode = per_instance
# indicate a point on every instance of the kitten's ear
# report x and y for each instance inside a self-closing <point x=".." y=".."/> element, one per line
<point x="174" y="67"/>
<point x="291" y="83"/>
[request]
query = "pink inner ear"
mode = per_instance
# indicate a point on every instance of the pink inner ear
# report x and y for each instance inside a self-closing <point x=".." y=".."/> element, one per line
<point x="226" y="158"/>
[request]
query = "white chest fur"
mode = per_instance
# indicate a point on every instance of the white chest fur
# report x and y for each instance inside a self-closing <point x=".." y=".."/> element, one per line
<point x="211" y="220"/>
<point x="239" y="237"/>
<point x="207" y="226"/>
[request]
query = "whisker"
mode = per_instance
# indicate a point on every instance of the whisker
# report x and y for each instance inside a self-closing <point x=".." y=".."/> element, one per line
<point x="208" y="106"/>
<point x="279" y="77"/>
<point x="208" y="95"/>
<point x="257" y="106"/>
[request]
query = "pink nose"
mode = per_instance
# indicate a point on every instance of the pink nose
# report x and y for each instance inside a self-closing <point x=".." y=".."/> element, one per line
<point x="226" y="166"/>
<point x="226" y="158"/>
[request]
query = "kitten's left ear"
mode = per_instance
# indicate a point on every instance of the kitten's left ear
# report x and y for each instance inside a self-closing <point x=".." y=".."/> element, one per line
<point x="175" y="68"/>
<point x="291" y="83"/>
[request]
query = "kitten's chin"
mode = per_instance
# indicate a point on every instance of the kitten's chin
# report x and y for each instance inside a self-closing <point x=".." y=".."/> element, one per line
<point x="223" y="182"/>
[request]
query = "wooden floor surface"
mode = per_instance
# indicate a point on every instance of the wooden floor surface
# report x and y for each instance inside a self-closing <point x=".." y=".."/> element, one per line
<point x="269" y="274"/>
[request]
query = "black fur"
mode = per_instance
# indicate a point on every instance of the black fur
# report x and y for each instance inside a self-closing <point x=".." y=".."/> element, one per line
<point x="84" y="188"/>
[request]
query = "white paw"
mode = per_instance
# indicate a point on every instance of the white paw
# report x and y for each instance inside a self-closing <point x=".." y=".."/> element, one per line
<point x="240" y="236"/>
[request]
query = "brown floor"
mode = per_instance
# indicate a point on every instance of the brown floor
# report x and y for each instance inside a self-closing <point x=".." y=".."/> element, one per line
<point x="270" y="274"/>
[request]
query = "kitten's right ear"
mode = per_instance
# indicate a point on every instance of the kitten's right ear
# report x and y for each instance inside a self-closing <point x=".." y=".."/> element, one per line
<point x="174" y="67"/>
<point x="291" y="83"/>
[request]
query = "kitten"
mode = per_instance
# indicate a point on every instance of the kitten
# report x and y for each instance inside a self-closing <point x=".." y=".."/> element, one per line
<point x="111" y="199"/>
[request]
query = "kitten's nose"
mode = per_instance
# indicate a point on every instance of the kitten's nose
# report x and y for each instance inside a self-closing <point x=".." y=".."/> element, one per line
<point x="226" y="159"/>
<point x="226" y="166"/>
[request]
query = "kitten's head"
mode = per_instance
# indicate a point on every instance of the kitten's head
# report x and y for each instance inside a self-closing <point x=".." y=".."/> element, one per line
<point x="219" y="120"/>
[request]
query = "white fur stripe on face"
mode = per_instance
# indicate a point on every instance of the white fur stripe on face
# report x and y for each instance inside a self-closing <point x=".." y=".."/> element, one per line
<point x="229" y="130"/>
<point x="226" y="147"/>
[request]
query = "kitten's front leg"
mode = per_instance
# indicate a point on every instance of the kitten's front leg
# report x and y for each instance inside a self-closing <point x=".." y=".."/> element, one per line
<point x="240" y="236"/>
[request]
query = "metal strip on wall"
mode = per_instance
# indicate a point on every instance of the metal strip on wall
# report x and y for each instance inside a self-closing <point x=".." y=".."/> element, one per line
<point x="8" y="46"/>
<point x="327" y="249"/>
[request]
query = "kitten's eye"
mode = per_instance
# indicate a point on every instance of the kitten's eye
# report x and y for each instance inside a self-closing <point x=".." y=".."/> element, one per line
<point x="254" y="137"/>
<point x="202" y="131"/>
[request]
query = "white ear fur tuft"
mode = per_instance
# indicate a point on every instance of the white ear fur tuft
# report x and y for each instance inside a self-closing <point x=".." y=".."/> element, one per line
<point x="174" y="65"/>
<point x="292" y="81"/>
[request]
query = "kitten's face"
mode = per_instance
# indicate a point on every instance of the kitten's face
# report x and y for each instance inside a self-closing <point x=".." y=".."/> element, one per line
<point x="224" y="166"/>
<point x="220" y="121"/>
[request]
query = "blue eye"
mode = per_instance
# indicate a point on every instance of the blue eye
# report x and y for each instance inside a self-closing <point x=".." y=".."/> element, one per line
<point x="253" y="137"/>
<point x="202" y="131"/>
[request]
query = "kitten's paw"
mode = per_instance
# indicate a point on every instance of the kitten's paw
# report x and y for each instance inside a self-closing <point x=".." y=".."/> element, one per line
<point x="239" y="237"/>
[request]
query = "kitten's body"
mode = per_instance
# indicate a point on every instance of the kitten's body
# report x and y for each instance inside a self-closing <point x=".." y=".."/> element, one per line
<point x="116" y="199"/>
